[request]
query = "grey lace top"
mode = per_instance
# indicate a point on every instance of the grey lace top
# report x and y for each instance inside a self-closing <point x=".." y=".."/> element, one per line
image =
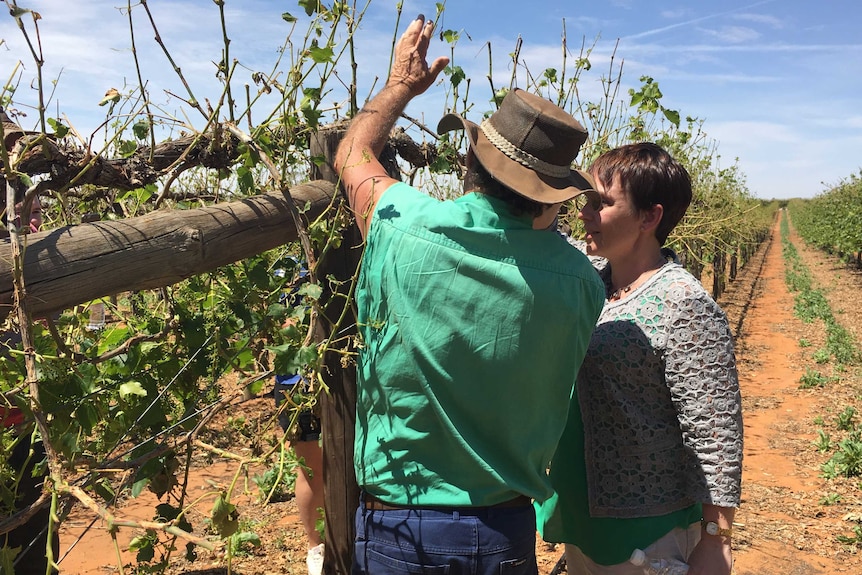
<point x="660" y="401"/>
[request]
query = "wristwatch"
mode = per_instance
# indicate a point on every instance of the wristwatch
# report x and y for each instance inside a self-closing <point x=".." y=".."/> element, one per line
<point x="712" y="528"/>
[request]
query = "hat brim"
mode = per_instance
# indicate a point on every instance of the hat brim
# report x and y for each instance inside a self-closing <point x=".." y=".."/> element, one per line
<point x="11" y="133"/>
<point x="514" y="175"/>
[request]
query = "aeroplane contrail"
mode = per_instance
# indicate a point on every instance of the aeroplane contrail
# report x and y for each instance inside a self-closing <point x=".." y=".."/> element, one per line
<point x="694" y="21"/>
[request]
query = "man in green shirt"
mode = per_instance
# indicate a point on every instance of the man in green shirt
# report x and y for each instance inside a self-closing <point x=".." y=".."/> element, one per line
<point x="474" y="316"/>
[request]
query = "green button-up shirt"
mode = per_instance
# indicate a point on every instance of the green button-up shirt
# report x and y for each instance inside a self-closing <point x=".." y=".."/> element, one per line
<point x="473" y="326"/>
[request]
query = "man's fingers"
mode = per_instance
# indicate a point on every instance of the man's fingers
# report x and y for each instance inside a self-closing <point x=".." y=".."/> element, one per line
<point x="410" y="35"/>
<point x="425" y="38"/>
<point x="415" y="29"/>
<point x="428" y="30"/>
<point x="438" y="65"/>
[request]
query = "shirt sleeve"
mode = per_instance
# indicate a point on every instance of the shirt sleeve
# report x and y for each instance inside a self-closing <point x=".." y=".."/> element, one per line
<point x="700" y="368"/>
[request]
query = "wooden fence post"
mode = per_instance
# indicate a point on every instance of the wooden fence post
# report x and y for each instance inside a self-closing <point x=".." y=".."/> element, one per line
<point x="338" y="407"/>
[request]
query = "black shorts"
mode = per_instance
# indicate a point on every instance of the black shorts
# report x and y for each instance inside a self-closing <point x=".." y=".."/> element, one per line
<point x="307" y="422"/>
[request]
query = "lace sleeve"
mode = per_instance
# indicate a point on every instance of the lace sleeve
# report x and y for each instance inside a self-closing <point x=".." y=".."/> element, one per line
<point x="702" y="378"/>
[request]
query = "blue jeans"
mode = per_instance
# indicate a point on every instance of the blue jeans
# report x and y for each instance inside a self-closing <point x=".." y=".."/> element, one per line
<point x="464" y="541"/>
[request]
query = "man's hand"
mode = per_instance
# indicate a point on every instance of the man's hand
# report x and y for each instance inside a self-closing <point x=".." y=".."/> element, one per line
<point x="362" y="175"/>
<point x="410" y="66"/>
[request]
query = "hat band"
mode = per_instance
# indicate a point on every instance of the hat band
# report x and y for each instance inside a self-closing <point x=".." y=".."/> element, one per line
<point x="522" y="157"/>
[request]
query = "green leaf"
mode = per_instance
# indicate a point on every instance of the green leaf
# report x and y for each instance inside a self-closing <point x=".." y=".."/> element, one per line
<point x="309" y="5"/>
<point x="312" y="117"/>
<point x="7" y="558"/>
<point x="288" y="17"/>
<point x="313" y="291"/>
<point x="245" y="179"/>
<point x="239" y="539"/>
<point x="256" y="387"/>
<point x="456" y="74"/>
<point x="139" y="542"/>
<point x="224" y="516"/>
<point x="149" y="346"/>
<point x="450" y="36"/>
<point x="139" y="486"/>
<point x="144" y="545"/>
<point x="141" y="129"/>
<point x="671" y="115"/>
<point x="132" y="388"/>
<point x="245" y="358"/>
<point x="59" y="129"/>
<point x="167" y="512"/>
<point x="290" y="358"/>
<point x="87" y="416"/>
<point x="105" y="490"/>
<point x="127" y="148"/>
<point x="141" y="194"/>
<point x="320" y="55"/>
<point x="499" y="95"/>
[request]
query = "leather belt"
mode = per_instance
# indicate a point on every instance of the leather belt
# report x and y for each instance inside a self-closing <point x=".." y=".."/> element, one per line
<point x="374" y="504"/>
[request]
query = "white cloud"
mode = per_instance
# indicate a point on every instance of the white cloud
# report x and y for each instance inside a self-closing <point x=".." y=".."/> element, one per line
<point x="732" y="34"/>
<point x="771" y="21"/>
<point x="675" y="14"/>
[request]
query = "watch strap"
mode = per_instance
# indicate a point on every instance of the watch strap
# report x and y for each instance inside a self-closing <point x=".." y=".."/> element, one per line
<point x="712" y="528"/>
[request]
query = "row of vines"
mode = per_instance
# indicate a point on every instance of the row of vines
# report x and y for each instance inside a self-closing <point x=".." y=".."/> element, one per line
<point x="832" y="221"/>
<point x="126" y="407"/>
<point x="839" y="437"/>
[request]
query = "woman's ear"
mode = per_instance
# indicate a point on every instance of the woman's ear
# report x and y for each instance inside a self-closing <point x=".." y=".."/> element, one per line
<point x="651" y="218"/>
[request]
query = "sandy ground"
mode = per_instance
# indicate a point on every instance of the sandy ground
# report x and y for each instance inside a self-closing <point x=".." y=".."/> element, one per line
<point x="781" y="528"/>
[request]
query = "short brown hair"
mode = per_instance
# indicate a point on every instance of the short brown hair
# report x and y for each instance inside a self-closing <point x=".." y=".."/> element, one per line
<point x="650" y="176"/>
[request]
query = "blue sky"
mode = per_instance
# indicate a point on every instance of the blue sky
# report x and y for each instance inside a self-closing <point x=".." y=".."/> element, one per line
<point x="777" y="82"/>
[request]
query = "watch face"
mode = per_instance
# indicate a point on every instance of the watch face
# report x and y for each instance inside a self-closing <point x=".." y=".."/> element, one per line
<point x="712" y="527"/>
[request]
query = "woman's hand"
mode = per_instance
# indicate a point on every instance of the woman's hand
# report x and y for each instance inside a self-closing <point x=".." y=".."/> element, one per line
<point x="711" y="556"/>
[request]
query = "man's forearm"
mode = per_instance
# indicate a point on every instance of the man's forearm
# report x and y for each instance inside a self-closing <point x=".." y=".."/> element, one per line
<point x="371" y="127"/>
<point x="362" y="175"/>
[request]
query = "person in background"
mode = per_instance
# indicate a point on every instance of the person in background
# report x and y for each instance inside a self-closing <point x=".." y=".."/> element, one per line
<point x="31" y="538"/>
<point x="651" y="457"/>
<point x="473" y="315"/>
<point x="304" y="437"/>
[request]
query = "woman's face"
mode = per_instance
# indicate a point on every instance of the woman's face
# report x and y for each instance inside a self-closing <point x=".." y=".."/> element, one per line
<point x="34" y="221"/>
<point x="613" y="231"/>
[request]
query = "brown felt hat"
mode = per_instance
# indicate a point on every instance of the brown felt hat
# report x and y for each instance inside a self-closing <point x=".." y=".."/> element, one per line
<point x="528" y="145"/>
<point x="11" y="130"/>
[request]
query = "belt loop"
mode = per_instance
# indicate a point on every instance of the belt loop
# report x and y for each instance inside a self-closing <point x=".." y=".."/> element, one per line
<point x="456" y="515"/>
<point x="361" y="525"/>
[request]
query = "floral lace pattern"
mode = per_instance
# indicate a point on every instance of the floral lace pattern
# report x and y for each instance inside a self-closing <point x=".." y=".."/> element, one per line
<point x="660" y="401"/>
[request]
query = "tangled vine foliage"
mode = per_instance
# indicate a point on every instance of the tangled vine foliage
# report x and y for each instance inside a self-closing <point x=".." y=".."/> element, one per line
<point x="831" y="220"/>
<point x="125" y="408"/>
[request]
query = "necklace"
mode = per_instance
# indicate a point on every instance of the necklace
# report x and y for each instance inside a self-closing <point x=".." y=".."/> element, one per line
<point x="618" y="294"/>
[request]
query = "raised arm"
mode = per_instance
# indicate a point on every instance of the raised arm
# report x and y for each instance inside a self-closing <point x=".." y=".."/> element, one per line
<point x="362" y="174"/>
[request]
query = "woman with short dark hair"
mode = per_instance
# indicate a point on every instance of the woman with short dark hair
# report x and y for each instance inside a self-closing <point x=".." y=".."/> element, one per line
<point x="651" y="457"/>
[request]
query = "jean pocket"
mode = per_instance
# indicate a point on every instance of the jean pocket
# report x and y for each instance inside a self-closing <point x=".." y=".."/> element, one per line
<point x="522" y="566"/>
<point x="381" y="564"/>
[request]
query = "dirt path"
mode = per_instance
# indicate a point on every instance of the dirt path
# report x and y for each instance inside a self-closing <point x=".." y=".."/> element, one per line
<point x="782" y="527"/>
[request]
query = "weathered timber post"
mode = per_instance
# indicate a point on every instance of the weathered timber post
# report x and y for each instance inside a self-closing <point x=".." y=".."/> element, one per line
<point x="718" y="269"/>
<point x="734" y="263"/>
<point x="338" y="407"/>
<point x="67" y="266"/>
